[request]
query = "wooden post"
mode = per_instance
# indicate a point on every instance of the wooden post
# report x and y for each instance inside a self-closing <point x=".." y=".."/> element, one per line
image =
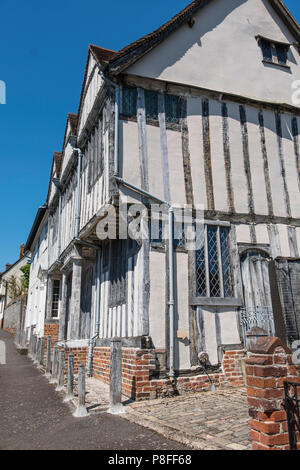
<point x="36" y="352"/>
<point x="81" y="410"/>
<point x="41" y="352"/>
<point x="49" y="351"/>
<point x="61" y="371"/>
<point x="70" y="380"/>
<point x="116" y="406"/>
<point x="54" y="365"/>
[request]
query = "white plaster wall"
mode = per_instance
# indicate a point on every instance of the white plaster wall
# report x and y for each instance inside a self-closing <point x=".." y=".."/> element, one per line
<point x="256" y="162"/>
<point x="183" y="308"/>
<point x="177" y="189"/>
<point x="156" y="185"/>
<point x="196" y="149"/>
<point x="217" y="163"/>
<point x="229" y="326"/>
<point x="291" y="170"/>
<point x="221" y="48"/>
<point x="239" y="182"/>
<point x="284" y="240"/>
<point x="262" y="235"/>
<point x="157" y="306"/>
<point x="243" y="234"/>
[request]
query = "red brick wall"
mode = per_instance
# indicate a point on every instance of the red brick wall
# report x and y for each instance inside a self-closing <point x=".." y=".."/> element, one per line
<point x="51" y="329"/>
<point x="137" y="365"/>
<point x="269" y="365"/>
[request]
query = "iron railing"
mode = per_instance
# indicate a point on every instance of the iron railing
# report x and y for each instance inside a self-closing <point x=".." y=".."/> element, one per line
<point x="292" y="409"/>
<point x="257" y="316"/>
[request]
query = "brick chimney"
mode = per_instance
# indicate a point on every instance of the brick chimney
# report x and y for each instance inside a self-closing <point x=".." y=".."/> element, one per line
<point x="21" y="251"/>
<point x="7" y="266"/>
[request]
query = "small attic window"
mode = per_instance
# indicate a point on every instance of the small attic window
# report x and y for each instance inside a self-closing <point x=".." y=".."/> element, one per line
<point x="274" y="52"/>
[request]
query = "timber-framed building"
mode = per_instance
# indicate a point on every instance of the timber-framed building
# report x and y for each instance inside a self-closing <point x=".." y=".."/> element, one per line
<point x="200" y="112"/>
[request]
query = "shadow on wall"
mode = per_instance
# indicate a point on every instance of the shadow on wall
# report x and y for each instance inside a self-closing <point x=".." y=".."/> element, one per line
<point x="192" y="34"/>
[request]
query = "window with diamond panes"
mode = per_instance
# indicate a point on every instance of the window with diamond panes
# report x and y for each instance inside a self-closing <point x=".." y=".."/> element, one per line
<point x="226" y="266"/>
<point x="201" y="264"/>
<point x="213" y="268"/>
<point x="151" y="104"/>
<point x="172" y="109"/>
<point x="129" y="101"/>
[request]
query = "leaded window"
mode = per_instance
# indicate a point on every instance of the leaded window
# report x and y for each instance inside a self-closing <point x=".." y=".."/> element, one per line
<point x="118" y="269"/>
<point x="212" y="262"/>
<point x="151" y="104"/>
<point x="172" y="109"/>
<point x="129" y="101"/>
<point x="55" y="298"/>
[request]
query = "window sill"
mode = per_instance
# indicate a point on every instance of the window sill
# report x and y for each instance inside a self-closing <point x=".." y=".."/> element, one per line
<point x="269" y="62"/>
<point x="216" y="302"/>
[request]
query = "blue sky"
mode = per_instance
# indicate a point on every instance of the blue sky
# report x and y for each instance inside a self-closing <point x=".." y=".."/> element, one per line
<point x="43" y="50"/>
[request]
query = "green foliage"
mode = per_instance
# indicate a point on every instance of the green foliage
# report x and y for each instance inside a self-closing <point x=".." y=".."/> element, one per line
<point x="25" y="277"/>
<point x="14" y="287"/>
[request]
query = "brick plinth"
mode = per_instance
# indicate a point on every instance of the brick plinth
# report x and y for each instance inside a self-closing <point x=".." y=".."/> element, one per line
<point x="138" y="377"/>
<point x="51" y="329"/>
<point x="267" y="368"/>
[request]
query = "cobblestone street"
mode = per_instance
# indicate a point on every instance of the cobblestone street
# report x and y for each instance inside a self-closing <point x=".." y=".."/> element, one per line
<point x="207" y="420"/>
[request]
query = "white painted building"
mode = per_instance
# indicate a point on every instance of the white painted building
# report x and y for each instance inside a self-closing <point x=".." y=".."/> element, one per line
<point x="199" y="112"/>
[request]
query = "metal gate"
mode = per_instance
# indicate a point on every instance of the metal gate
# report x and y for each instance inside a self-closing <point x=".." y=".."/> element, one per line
<point x="292" y="408"/>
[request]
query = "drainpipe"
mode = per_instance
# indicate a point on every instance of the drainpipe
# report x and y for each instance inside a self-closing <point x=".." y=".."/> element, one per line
<point x="171" y="302"/>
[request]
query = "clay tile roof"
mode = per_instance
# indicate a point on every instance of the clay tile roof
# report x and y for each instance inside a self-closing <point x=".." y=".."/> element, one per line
<point x="73" y="118"/>
<point x="57" y="157"/>
<point x="103" y="56"/>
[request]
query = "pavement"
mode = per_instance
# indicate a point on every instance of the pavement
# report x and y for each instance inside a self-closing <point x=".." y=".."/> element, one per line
<point x="33" y="416"/>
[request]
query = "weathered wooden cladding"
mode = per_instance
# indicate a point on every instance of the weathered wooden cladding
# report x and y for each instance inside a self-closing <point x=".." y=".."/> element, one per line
<point x="295" y="130"/>
<point x="292" y="237"/>
<point x="246" y="157"/>
<point x="186" y="154"/>
<point x="265" y="162"/>
<point x="227" y="159"/>
<point x="207" y="156"/>
<point x="247" y="167"/>
<point x="142" y="133"/>
<point x="282" y="164"/>
<point x="164" y="146"/>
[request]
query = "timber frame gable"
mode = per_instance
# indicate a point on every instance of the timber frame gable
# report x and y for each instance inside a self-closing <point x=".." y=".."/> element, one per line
<point x="137" y="49"/>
